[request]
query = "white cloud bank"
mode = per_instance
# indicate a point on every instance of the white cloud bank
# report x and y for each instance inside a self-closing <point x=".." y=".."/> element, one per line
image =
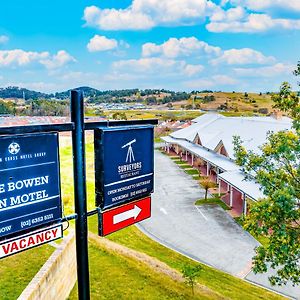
<point x="267" y="71"/>
<point x="242" y="57"/>
<point x="146" y="14"/>
<point x="156" y="65"/>
<point x="263" y="5"/>
<point x="244" y="16"/>
<point x="252" y="23"/>
<point x="174" y="47"/>
<point x="101" y="43"/>
<point x="20" y="58"/>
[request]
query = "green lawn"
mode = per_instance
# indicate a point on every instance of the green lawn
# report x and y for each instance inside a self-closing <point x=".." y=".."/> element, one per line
<point x="181" y="162"/>
<point x="17" y="270"/>
<point x="192" y="172"/>
<point x="214" y="200"/>
<point x="114" y="276"/>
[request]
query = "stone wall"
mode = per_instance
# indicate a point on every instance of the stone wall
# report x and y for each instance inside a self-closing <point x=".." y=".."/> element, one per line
<point x="58" y="275"/>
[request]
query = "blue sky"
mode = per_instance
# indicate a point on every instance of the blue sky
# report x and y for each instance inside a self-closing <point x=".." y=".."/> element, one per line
<point x="240" y="45"/>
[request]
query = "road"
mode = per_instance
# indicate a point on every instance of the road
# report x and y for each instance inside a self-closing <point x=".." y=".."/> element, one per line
<point x="206" y="233"/>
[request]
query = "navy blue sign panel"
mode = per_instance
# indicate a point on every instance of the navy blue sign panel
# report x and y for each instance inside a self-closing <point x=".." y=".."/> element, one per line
<point x="124" y="163"/>
<point x="29" y="182"/>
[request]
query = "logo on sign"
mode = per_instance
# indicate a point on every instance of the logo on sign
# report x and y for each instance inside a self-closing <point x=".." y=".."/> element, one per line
<point x="14" y="148"/>
<point x="130" y="156"/>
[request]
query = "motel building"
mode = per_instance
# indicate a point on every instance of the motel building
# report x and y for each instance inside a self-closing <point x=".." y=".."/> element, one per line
<point x="207" y="145"/>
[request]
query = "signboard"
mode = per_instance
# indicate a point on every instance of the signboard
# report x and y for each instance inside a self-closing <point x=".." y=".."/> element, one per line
<point x="124" y="162"/>
<point x="29" y="182"/>
<point x="30" y="240"/>
<point x="123" y="216"/>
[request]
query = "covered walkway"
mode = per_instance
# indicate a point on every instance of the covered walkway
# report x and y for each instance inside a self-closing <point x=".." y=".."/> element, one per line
<point x="222" y="170"/>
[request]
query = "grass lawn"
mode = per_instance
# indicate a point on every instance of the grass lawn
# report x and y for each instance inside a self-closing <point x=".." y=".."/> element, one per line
<point x="192" y="172"/>
<point x="214" y="200"/>
<point x="17" y="270"/>
<point x="184" y="166"/>
<point x="174" y="157"/>
<point x="181" y="162"/>
<point x="114" y="276"/>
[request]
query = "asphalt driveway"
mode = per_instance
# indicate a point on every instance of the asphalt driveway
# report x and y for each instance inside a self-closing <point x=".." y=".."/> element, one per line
<point x="205" y="233"/>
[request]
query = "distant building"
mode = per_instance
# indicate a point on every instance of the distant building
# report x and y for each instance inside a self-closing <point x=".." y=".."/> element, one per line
<point x="207" y="144"/>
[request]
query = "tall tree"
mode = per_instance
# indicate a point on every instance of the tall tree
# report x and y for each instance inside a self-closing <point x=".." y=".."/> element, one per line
<point x="277" y="170"/>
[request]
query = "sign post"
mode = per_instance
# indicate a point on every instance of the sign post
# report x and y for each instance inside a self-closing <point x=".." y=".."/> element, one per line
<point x="77" y="116"/>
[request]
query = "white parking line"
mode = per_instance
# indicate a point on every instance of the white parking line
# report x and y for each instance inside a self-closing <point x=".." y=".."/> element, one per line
<point x="163" y="210"/>
<point x="199" y="210"/>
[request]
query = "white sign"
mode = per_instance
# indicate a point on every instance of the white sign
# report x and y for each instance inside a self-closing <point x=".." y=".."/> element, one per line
<point x="30" y="240"/>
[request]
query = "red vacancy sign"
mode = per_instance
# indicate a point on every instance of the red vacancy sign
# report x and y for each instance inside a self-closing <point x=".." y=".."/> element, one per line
<point x="125" y="215"/>
<point x="30" y="240"/>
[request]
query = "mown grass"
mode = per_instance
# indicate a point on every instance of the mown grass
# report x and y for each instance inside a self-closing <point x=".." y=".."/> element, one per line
<point x="17" y="271"/>
<point x="214" y="200"/>
<point x="173" y="157"/>
<point x="192" y="172"/>
<point x="181" y="162"/>
<point x="114" y="276"/>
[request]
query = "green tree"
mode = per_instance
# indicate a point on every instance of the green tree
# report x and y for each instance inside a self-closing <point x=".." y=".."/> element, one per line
<point x="277" y="169"/>
<point x="207" y="184"/>
<point x="190" y="274"/>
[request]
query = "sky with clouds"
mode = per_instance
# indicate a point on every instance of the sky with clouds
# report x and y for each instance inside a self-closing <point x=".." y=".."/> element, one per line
<point x="240" y="45"/>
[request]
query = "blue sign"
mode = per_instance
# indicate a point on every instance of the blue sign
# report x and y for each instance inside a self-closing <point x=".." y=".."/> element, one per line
<point x="29" y="182"/>
<point x="124" y="163"/>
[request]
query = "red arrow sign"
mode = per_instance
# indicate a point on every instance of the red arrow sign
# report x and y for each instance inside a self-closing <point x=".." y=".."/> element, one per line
<point x="125" y="215"/>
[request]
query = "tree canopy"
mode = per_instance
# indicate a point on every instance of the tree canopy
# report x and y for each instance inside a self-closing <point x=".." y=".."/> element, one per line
<point x="277" y="169"/>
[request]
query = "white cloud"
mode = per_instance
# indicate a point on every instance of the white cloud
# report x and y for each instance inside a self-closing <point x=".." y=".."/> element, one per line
<point x="113" y="19"/>
<point x="101" y="43"/>
<point x="179" y="47"/>
<point x="3" y="39"/>
<point x="215" y="82"/>
<point x="241" y="57"/>
<point x="18" y="57"/>
<point x="60" y="59"/>
<point x="191" y="70"/>
<point x="224" y="79"/>
<point x="263" y="5"/>
<point x="146" y="14"/>
<point x="157" y="66"/>
<point x="21" y="58"/>
<point x="232" y="14"/>
<point x="251" y="23"/>
<point x="268" y="71"/>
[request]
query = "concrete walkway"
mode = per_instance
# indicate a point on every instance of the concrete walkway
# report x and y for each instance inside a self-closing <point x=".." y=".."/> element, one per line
<point x="205" y="233"/>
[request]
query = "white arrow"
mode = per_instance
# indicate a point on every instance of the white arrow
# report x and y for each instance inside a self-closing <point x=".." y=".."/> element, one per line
<point x="132" y="213"/>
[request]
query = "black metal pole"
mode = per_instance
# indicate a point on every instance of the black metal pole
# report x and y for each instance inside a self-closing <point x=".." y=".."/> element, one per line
<point x="77" y="116"/>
